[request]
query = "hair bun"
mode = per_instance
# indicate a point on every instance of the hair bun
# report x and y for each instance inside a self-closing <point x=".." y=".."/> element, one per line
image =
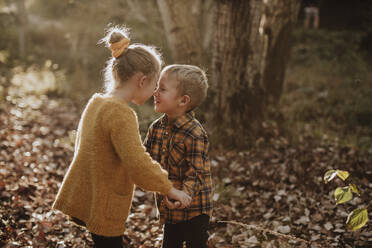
<point x="120" y="45"/>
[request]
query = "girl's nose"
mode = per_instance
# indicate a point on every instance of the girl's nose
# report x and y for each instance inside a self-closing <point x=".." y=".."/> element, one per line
<point x="155" y="93"/>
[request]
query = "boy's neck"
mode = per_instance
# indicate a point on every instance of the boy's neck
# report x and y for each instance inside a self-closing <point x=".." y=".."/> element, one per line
<point x="172" y="117"/>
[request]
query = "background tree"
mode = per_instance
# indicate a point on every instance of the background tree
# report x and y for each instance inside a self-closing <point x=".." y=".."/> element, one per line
<point x="22" y="20"/>
<point x="188" y="27"/>
<point x="278" y="22"/>
<point x="238" y="95"/>
<point x="247" y="66"/>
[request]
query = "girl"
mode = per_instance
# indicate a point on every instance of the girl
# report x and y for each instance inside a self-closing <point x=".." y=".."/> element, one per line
<point x="109" y="157"/>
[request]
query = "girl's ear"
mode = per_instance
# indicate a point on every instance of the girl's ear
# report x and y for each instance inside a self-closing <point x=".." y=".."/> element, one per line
<point x="185" y="100"/>
<point x="142" y="80"/>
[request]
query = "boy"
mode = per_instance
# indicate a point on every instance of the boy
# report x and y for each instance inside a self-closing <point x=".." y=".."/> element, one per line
<point x="180" y="144"/>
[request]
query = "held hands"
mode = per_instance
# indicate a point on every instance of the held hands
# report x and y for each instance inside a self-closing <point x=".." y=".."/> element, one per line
<point x="172" y="204"/>
<point x="183" y="200"/>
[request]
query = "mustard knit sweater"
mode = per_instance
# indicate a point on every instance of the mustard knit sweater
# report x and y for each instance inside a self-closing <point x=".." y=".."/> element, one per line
<point x="109" y="160"/>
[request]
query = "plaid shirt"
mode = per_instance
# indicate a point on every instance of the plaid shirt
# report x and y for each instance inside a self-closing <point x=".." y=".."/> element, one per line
<point x="181" y="147"/>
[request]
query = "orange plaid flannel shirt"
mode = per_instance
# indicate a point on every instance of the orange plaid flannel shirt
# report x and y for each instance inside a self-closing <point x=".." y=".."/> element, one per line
<point x="181" y="147"/>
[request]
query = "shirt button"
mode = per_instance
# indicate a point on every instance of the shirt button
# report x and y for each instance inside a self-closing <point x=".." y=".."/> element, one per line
<point x="166" y="133"/>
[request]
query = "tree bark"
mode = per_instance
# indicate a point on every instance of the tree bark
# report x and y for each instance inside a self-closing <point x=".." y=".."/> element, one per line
<point x="237" y="72"/>
<point x="278" y="23"/>
<point x="182" y="31"/>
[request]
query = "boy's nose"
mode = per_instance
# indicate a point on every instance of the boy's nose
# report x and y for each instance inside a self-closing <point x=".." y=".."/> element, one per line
<point x="155" y="93"/>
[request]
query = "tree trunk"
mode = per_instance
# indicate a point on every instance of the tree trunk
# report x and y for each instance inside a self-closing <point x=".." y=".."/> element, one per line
<point x="206" y="26"/>
<point x="279" y="21"/>
<point x="22" y="28"/>
<point x="182" y="30"/>
<point x="237" y="72"/>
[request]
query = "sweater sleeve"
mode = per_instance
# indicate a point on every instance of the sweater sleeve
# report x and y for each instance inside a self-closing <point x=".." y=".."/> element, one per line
<point x="77" y="138"/>
<point x="126" y="140"/>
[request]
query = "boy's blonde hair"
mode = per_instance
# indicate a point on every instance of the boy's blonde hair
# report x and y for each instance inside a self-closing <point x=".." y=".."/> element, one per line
<point x="136" y="58"/>
<point x="192" y="81"/>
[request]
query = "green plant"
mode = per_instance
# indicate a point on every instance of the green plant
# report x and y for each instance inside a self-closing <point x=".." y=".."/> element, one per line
<point x="359" y="216"/>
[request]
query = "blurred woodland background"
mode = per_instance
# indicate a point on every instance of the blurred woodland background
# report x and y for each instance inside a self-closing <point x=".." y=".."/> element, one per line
<point x="285" y="104"/>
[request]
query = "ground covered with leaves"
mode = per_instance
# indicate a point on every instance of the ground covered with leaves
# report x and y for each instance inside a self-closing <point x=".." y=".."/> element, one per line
<point x="272" y="195"/>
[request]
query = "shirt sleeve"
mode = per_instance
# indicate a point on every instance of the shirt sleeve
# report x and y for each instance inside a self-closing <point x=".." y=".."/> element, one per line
<point x="143" y="170"/>
<point x="196" y="157"/>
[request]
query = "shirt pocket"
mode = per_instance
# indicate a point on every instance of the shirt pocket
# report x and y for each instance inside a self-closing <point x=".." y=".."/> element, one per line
<point x="176" y="155"/>
<point x="118" y="206"/>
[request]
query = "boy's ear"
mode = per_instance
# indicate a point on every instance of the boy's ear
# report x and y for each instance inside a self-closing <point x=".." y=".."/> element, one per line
<point x="185" y="100"/>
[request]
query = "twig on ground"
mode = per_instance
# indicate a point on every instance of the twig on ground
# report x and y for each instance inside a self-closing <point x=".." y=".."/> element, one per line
<point x="279" y="235"/>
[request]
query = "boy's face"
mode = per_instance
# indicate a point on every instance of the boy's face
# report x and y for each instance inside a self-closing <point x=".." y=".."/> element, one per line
<point x="166" y="97"/>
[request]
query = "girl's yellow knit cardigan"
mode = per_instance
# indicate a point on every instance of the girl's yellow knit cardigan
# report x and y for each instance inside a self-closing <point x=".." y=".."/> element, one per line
<point x="109" y="160"/>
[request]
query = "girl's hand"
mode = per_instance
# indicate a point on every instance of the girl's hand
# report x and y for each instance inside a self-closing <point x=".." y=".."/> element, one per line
<point x="171" y="205"/>
<point x="180" y="196"/>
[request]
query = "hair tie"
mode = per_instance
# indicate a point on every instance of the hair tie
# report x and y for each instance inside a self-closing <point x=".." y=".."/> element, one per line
<point x="119" y="47"/>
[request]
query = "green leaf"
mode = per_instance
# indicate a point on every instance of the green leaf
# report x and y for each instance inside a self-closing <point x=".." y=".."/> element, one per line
<point x="357" y="219"/>
<point x="354" y="188"/>
<point x="343" y="195"/>
<point x="329" y="175"/>
<point x="342" y="174"/>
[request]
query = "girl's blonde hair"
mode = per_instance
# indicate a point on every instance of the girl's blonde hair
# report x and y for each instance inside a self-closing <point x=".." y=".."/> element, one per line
<point x="136" y="58"/>
<point x="192" y="81"/>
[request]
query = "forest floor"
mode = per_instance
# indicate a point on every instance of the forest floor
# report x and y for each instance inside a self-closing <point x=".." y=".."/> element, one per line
<point x="272" y="195"/>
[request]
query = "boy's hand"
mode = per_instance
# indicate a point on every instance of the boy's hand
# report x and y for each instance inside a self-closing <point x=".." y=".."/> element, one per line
<point x="172" y="205"/>
<point x="180" y="196"/>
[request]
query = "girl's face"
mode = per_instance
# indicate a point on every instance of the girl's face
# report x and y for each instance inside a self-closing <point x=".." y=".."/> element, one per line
<point x="146" y="89"/>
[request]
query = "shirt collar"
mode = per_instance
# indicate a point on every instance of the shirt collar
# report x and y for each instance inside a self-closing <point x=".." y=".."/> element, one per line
<point x="179" y="121"/>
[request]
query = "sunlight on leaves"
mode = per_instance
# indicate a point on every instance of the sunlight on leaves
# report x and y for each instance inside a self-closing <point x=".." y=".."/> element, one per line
<point x="342" y="174"/>
<point x="354" y="188"/>
<point x="357" y="219"/>
<point x="4" y="56"/>
<point x="329" y="175"/>
<point x="343" y="195"/>
<point x="33" y="80"/>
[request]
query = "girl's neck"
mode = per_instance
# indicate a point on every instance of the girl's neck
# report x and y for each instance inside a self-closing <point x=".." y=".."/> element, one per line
<point x="123" y="93"/>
